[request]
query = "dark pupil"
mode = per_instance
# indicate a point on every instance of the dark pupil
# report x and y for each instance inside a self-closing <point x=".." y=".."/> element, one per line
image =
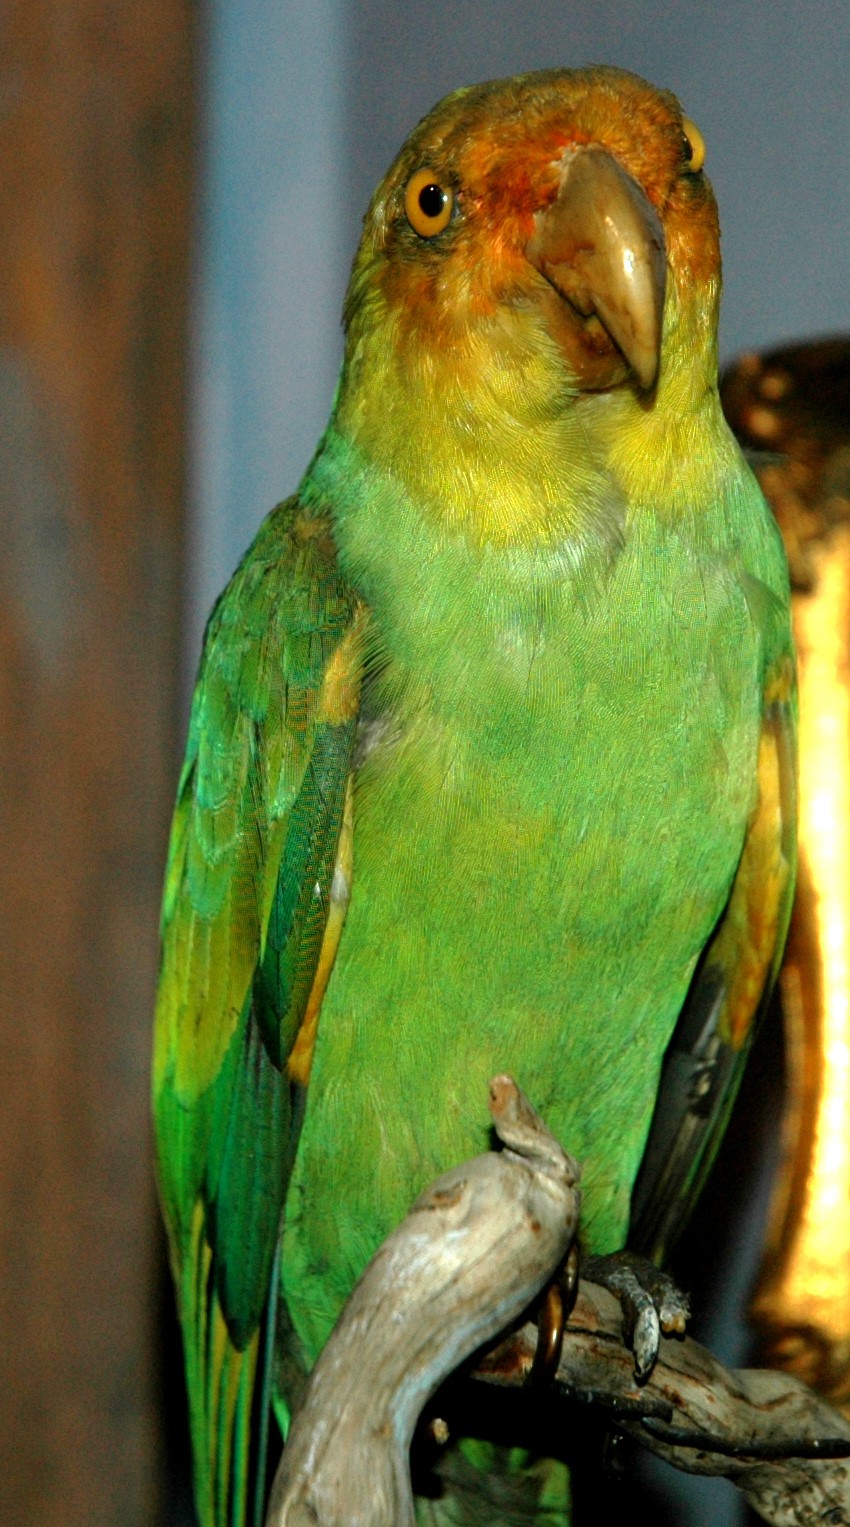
<point x="687" y="148"/>
<point x="432" y="200"/>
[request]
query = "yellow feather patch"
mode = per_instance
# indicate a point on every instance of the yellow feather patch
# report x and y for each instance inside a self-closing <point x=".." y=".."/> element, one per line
<point x="301" y="1057"/>
<point x="339" y="696"/>
<point x="746" y="945"/>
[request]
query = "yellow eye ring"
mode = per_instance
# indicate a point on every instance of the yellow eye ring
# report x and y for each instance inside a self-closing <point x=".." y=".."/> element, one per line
<point x="428" y="204"/>
<point x="693" y="146"/>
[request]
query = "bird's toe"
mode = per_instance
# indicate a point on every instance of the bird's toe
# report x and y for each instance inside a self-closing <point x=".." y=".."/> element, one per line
<point x="650" y="1301"/>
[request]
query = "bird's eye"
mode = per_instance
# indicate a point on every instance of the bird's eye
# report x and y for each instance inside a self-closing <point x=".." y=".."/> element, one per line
<point x="428" y="204"/>
<point x="693" y="147"/>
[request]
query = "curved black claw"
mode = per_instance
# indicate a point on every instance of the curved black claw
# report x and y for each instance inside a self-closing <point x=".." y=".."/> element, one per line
<point x="555" y="1309"/>
<point x="650" y="1302"/>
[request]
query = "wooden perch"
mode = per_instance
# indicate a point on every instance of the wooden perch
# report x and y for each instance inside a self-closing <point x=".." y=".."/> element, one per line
<point x="752" y="1425"/>
<point x="472" y="1255"/>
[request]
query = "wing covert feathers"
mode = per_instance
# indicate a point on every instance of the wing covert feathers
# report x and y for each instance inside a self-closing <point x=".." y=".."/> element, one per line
<point x="253" y="848"/>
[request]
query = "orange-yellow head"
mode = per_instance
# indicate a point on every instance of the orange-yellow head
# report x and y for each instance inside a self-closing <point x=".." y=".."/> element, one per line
<point x="539" y="241"/>
<point x="569" y="194"/>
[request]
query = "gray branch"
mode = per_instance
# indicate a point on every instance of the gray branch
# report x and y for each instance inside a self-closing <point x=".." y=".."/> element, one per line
<point x="473" y="1253"/>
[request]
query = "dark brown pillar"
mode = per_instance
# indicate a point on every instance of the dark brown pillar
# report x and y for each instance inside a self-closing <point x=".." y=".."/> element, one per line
<point x="95" y="150"/>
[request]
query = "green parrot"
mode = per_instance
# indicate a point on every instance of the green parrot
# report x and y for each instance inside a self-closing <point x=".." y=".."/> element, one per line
<point x="491" y="756"/>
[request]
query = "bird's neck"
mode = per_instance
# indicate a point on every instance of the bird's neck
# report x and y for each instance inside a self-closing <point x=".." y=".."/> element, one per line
<point x="489" y="441"/>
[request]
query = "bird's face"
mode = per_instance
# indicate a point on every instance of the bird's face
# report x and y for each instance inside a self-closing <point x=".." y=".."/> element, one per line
<point x="563" y="207"/>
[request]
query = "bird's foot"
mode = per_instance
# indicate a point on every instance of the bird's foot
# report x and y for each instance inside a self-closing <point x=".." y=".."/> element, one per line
<point x="650" y="1301"/>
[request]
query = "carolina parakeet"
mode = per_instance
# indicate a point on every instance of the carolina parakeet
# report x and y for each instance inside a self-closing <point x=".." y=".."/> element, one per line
<point x="490" y="761"/>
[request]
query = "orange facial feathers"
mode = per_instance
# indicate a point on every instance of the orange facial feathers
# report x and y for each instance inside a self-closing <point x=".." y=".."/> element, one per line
<point x="499" y="149"/>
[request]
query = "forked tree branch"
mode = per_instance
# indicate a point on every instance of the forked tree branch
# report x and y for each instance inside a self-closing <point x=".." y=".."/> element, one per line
<point x="471" y="1256"/>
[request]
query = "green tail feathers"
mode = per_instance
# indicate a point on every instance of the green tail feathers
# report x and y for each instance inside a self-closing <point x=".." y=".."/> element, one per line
<point x="220" y="1381"/>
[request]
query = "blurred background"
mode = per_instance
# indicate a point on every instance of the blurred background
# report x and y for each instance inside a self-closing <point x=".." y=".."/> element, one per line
<point x="181" y="192"/>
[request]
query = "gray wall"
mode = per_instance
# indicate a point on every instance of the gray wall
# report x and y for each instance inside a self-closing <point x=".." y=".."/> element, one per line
<point x="273" y="255"/>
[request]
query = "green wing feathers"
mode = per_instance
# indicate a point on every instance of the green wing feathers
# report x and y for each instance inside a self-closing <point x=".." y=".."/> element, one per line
<point x="253" y="843"/>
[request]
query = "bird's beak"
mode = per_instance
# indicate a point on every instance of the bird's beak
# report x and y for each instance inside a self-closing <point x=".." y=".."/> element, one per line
<point x="600" y="245"/>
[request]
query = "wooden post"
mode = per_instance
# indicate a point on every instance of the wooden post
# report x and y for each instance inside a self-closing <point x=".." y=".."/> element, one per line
<point x="95" y="148"/>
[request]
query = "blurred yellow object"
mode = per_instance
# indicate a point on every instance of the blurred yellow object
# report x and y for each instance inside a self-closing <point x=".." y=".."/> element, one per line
<point x="802" y="1305"/>
<point x="797" y="402"/>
